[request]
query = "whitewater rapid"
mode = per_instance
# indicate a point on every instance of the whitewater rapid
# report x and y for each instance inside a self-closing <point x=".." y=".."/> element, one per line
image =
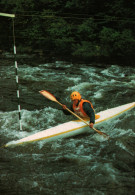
<point x="78" y="165"/>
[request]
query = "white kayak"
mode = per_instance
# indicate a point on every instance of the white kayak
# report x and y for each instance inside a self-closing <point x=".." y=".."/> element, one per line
<point x="72" y="128"/>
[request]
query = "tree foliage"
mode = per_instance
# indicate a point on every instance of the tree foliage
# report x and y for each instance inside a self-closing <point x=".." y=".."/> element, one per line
<point x="74" y="28"/>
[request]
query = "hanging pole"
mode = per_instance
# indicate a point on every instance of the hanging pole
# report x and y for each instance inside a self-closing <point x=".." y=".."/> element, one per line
<point x="17" y="80"/>
<point x="16" y="66"/>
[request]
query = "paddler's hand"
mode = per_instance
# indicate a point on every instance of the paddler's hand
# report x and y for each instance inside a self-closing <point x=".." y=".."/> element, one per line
<point x="91" y="125"/>
<point x="64" y="107"/>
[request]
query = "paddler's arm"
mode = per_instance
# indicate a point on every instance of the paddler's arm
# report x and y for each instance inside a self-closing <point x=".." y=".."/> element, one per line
<point x="65" y="111"/>
<point x="90" y="112"/>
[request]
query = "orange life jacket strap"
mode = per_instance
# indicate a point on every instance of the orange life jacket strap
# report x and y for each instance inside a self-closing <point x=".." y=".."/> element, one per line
<point x="79" y="109"/>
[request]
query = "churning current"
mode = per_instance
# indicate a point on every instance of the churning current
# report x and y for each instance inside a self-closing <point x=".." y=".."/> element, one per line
<point x="80" y="165"/>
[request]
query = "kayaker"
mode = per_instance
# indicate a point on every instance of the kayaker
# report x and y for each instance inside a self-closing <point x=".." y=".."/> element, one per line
<point x="81" y="107"/>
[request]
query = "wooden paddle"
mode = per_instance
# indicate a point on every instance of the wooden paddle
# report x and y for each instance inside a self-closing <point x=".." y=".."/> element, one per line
<point x="51" y="97"/>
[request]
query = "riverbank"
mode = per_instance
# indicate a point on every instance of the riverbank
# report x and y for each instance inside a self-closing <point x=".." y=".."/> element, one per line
<point x="38" y="56"/>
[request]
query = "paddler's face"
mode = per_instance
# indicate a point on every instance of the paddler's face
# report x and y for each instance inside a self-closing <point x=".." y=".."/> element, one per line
<point x="75" y="102"/>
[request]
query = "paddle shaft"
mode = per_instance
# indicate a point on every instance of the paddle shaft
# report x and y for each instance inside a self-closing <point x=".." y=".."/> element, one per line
<point x="52" y="97"/>
<point x="101" y="133"/>
<point x="74" y="114"/>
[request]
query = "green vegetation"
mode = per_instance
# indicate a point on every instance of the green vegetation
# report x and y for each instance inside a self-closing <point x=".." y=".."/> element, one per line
<point x="71" y="28"/>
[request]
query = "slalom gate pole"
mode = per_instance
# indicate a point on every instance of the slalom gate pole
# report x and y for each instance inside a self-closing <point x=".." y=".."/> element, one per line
<point x="16" y="66"/>
<point x="17" y="79"/>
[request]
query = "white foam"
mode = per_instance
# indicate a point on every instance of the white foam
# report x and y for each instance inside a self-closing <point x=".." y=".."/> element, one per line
<point x="79" y="87"/>
<point x="121" y="145"/>
<point x="98" y="94"/>
<point x="32" y="122"/>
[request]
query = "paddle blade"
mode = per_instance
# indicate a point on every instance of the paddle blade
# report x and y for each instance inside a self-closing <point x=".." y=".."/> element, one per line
<point x="101" y="133"/>
<point x="48" y="95"/>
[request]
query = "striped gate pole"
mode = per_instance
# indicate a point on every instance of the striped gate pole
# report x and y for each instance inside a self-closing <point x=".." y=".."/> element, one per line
<point x="17" y="79"/>
<point x="16" y="67"/>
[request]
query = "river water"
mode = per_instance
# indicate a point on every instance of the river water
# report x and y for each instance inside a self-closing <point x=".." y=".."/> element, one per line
<point x="80" y="165"/>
